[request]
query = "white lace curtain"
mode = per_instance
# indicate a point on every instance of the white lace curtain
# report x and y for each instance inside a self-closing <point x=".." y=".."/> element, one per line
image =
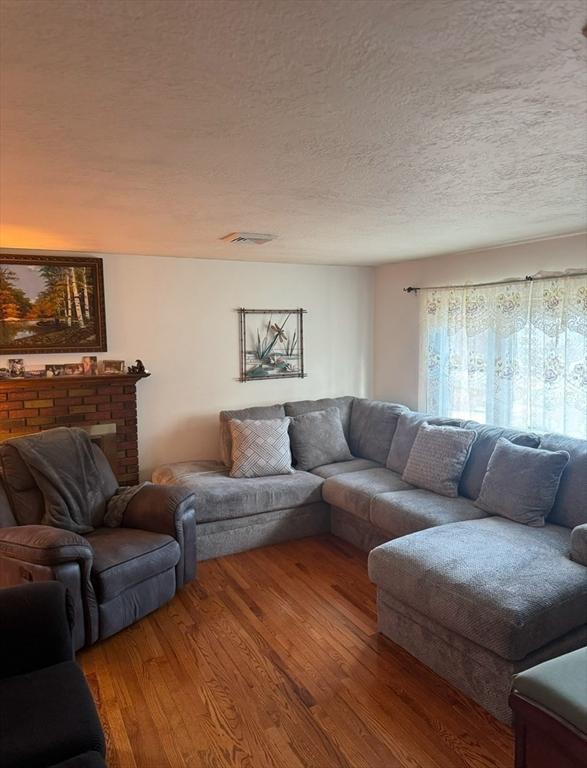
<point x="513" y="354"/>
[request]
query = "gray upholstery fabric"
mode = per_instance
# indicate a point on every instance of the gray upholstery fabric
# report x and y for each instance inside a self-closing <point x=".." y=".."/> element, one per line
<point x="118" y="503"/>
<point x="344" y="405"/>
<point x="317" y="438"/>
<point x="260" y="447"/>
<point x="7" y="517"/>
<point x="558" y="686"/>
<point x="225" y="537"/>
<point x="505" y="586"/>
<point x="481" y="451"/>
<point x="23" y="493"/>
<point x="521" y="483"/>
<point x="438" y="457"/>
<point x="408" y="425"/>
<point x="404" y="512"/>
<point x="257" y="412"/>
<point x="173" y="474"/>
<point x="479" y="673"/>
<point x="373" y="425"/>
<point x="125" y="557"/>
<point x="579" y="544"/>
<point x="61" y="463"/>
<point x="353" y="491"/>
<point x="167" y="509"/>
<point x="355" y="530"/>
<point x="220" y="497"/>
<point x="570" y="506"/>
<point x="340" y="467"/>
<point x="135" y="602"/>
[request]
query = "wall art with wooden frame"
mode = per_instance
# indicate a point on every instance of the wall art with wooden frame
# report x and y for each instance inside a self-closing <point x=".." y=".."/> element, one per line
<point x="51" y="304"/>
<point x="271" y="344"/>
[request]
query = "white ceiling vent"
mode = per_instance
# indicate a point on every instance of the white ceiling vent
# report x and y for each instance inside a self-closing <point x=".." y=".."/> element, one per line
<point x="247" y="238"/>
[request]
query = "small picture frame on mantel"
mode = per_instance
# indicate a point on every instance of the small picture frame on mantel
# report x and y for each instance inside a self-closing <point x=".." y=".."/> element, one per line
<point x="271" y="344"/>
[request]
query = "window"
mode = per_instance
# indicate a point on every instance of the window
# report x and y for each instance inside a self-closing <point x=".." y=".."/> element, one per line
<point x="513" y="354"/>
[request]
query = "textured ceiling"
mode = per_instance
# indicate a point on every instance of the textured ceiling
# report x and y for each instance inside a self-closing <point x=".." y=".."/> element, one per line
<point x="357" y="132"/>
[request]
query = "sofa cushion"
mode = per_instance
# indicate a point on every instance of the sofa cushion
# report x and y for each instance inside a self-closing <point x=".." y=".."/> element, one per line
<point x="47" y="716"/>
<point x="340" y="467"/>
<point x="373" y="424"/>
<point x="508" y="587"/>
<point x="257" y="412"/>
<point x="353" y="491"/>
<point x="521" y="483"/>
<point x="481" y="451"/>
<point x="404" y="512"/>
<point x="317" y="438"/>
<point x="344" y="405"/>
<point x="438" y="457"/>
<point x="220" y="497"/>
<point x="124" y="557"/>
<point x="408" y="425"/>
<point x="260" y="447"/>
<point x="570" y="505"/>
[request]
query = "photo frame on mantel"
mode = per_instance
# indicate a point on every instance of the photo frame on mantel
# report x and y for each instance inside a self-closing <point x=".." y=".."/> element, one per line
<point x="271" y="344"/>
<point x="51" y="304"/>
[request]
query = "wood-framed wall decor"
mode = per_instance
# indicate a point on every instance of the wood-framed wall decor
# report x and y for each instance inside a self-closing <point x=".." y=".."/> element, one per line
<point x="51" y="304"/>
<point x="271" y="344"/>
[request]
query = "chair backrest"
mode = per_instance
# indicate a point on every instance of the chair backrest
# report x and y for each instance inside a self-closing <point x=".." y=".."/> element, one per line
<point x="24" y="497"/>
<point x="7" y="519"/>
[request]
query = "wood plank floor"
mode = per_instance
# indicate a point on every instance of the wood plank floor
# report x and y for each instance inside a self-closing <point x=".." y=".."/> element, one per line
<point x="272" y="660"/>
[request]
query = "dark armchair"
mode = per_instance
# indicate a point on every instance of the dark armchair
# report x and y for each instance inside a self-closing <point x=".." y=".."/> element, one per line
<point x="47" y="714"/>
<point x="114" y="575"/>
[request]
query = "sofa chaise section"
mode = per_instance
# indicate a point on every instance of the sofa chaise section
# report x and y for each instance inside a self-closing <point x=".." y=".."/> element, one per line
<point x="235" y="514"/>
<point x="481" y="600"/>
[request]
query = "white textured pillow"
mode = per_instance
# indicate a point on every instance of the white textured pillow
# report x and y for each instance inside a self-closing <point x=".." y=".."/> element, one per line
<point x="260" y="448"/>
<point x="438" y="457"/>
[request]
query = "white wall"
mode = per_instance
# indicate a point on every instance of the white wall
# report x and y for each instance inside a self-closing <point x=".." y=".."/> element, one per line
<point x="178" y="316"/>
<point x="396" y="338"/>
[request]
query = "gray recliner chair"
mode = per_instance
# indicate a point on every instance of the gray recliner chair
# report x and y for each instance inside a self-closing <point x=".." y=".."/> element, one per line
<point x="115" y="575"/>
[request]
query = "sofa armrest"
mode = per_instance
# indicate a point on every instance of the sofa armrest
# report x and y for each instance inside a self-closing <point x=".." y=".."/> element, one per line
<point x="579" y="544"/>
<point x="36" y="627"/>
<point x="168" y="509"/>
<point x="44" y="545"/>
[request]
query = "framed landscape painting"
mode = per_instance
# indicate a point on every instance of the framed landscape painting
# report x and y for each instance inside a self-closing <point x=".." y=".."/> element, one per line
<point x="51" y="304"/>
<point x="271" y="344"/>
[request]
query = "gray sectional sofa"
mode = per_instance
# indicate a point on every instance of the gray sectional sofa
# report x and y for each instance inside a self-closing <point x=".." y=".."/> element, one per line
<point x="475" y="597"/>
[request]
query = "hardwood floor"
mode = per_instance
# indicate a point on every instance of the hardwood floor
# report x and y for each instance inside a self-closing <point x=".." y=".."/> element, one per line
<point x="272" y="660"/>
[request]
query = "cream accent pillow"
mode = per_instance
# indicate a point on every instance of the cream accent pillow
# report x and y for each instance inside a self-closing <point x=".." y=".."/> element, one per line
<point x="260" y="448"/>
<point x="438" y="457"/>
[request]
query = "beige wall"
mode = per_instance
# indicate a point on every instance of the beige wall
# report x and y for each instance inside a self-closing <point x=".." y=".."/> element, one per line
<point x="178" y="316"/>
<point x="396" y="337"/>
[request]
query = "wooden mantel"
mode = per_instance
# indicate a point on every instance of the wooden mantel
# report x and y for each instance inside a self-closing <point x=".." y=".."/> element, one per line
<point x="104" y="405"/>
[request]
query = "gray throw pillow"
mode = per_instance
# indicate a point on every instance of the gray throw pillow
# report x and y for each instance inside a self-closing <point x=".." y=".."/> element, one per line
<point x="403" y="439"/>
<point x="317" y="438"/>
<point x="521" y="483"/>
<point x="438" y="457"/>
<point x="260" y="448"/>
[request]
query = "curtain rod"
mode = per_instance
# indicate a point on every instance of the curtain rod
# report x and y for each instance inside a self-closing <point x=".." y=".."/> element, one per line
<point x="527" y="279"/>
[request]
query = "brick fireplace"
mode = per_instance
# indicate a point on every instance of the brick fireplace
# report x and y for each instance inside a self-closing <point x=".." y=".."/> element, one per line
<point x="105" y="406"/>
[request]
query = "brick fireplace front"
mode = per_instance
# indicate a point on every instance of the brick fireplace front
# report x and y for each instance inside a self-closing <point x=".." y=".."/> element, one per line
<point x="105" y="406"/>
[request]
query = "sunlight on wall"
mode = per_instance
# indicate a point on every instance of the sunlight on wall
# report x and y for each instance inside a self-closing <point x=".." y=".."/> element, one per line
<point x="26" y="237"/>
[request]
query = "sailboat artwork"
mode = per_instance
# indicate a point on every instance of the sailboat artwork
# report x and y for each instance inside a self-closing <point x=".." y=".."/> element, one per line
<point x="51" y="304"/>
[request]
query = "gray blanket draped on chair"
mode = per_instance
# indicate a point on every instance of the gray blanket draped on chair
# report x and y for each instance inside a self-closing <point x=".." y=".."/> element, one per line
<point x="63" y="466"/>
